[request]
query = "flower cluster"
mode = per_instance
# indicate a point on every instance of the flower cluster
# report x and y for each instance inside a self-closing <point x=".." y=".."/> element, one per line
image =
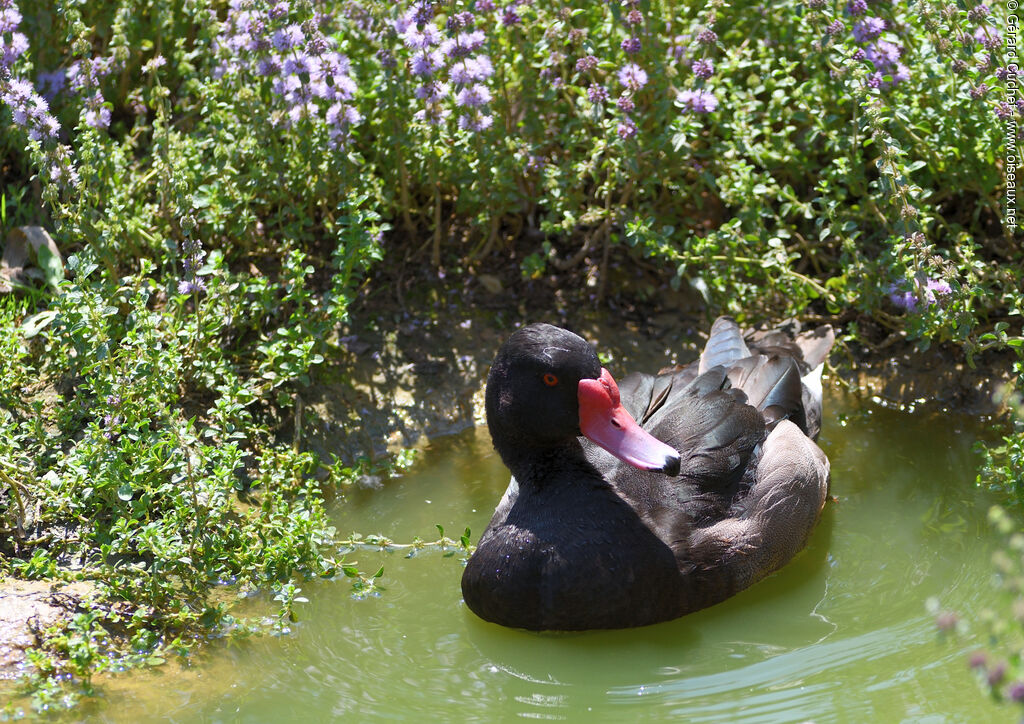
<point x="192" y="256"/>
<point x="112" y="420"/>
<point x="631" y="76"/>
<point x="309" y="77"/>
<point x="698" y="99"/>
<point x="884" y="55"/>
<point x="930" y="292"/>
<point x="29" y="109"/>
<point x="455" y="54"/>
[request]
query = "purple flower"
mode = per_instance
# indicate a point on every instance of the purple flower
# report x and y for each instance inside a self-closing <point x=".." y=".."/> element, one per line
<point x="510" y="17"/>
<point x="908" y="300"/>
<point x="461" y="73"/>
<point x="1015" y="692"/>
<point x="317" y="44"/>
<point x="288" y="37"/>
<point x="835" y="27"/>
<point x="707" y="36"/>
<point x="631" y="45"/>
<point x="473" y="96"/>
<point x="469" y="70"/>
<point x="432" y="91"/>
<point x="63" y="174"/>
<point x="416" y="39"/>
<point x="477" y="122"/>
<point x="996" y="673"/>
<point x="625" y="103"/>
<point x="634" y="17"/>
<point x="191" y="286"/>
<point x="485" y="6"/>
<point x="50" y="84"/>
<point x="10" y="18"/>
<point x="979" y="91"/>
<point x="98" y="118"/>
<point x="473" y="40"/>
<point x="698" y="101"/>
<point x="989" y="37"/>
<point x="154" y="64"/>
<point x="423" y="13"/>
<point x="902" y="299"/>
<point x="426" y="63"/>
<point x="883" y="54"/>
<point x="857" y="7"/>
<point x="868" y="29"/>
<point x="632" y="76"/>
<point x="297" y="64"/>
<point x="1003" y="110"/>
<point x="586" y="63"/>
<point x="13" y="49"/>
<point x="268" y="66"/>
<point x="939" y="287"/>
<point x="703" y="68"/>
<point x="978" y="13"/>
<point x="278" y="11"/>
<point x="461" y="20"/>
<point x="626" y="129"/>
<point x="340" y="115"/>
<point x="597" y="93"/>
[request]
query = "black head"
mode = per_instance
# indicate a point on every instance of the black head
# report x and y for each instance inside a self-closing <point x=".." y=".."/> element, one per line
<point x="532" y="387"/>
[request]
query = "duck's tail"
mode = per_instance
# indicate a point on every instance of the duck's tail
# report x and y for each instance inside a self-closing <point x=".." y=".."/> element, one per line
<point x="724" y="347"/>
<point x="779" y="370"/>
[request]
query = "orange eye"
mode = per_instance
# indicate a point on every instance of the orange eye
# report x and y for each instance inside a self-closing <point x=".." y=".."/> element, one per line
<point x="550" y="380"/>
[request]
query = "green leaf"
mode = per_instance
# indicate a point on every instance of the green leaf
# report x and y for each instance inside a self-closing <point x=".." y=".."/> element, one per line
<point x="125" y="492"/>
<point x="36" y="323"/>
<point x="51" y="264"/>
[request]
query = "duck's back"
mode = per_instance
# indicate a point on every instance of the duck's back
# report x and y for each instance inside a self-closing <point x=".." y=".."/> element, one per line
<point x="743" y="418"/>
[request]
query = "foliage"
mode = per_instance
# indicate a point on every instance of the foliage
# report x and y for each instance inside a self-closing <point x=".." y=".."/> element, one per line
<point x="223" y="178"/>
<point x="1003" y="464"/>
<point x="998" y="664"/>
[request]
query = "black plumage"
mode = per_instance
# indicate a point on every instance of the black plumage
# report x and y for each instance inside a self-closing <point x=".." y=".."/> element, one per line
<point x="583" y="539"/>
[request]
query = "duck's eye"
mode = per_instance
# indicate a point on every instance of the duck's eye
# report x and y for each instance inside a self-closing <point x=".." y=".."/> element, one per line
<point x="550" y="380"/>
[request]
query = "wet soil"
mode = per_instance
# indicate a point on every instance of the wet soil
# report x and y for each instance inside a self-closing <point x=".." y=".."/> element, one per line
<point x="27" y="608"/>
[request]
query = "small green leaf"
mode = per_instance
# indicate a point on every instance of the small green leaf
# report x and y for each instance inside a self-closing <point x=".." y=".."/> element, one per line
<point x="125" y="492"/>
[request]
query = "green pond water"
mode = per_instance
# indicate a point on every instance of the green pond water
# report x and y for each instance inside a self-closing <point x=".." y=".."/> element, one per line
<point x="840" y="635"/>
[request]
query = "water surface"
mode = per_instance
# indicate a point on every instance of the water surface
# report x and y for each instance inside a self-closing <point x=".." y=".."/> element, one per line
<point x="839" y="635"/>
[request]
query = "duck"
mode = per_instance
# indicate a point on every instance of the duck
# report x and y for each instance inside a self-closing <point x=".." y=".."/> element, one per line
<point x="638" y="502"/>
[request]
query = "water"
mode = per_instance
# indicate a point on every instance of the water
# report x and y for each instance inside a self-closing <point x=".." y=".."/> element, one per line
<point x="839" y="635"/>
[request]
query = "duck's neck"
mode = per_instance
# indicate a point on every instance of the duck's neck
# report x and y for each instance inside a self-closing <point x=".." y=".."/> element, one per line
<point x="539" y="466"/>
